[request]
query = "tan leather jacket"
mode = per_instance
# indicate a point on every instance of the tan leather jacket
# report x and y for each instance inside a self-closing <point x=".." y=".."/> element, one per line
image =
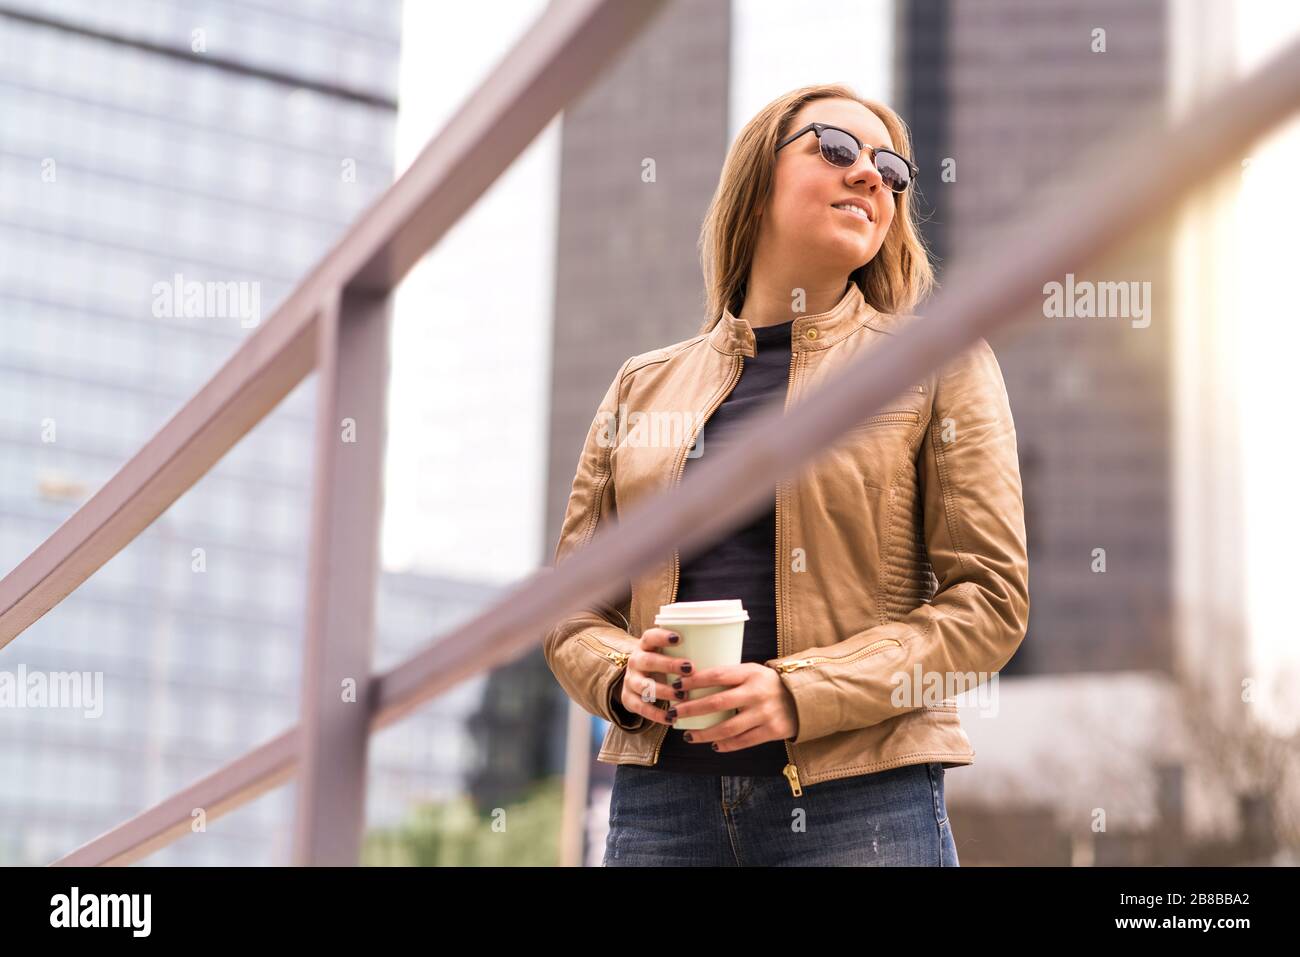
<point x="899" y="550"/>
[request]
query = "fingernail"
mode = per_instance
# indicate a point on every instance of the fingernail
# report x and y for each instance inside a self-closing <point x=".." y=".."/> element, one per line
<point x="686" y="668"/>
<point x="679" y="695"/>
<point x="674" y="638"/>
<point x="714" y="745"/>
<point x="686" y="736"/>
<point x="672" y="714"/>
<point x="677" y="683"/>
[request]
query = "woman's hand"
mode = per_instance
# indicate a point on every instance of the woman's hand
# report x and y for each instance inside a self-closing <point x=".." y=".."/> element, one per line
<point x="767" y="711"/>
<point x="641" y="686"/>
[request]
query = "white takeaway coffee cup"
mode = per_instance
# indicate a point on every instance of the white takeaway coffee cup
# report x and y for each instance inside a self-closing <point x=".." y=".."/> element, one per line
<point x="713" y="634"/>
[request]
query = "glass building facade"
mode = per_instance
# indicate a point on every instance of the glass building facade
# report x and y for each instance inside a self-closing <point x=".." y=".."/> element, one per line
<point x="145" y="147"/>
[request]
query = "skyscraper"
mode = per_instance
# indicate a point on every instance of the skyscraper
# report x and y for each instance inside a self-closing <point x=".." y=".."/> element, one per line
<point x="168" y="172"/>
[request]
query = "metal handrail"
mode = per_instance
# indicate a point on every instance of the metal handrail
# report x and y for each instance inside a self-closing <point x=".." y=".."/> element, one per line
<point x="1160" y="169"/>
<point x="557" y="58"/>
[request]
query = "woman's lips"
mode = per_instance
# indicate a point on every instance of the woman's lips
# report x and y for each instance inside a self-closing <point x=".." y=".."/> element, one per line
<point x="861" y="215"/>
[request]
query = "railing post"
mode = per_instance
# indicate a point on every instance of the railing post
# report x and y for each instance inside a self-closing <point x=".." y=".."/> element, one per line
<point x="343" y="563"/>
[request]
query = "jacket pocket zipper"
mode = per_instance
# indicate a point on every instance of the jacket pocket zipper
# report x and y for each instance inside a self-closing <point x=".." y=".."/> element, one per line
<point x="884" y="418"/>
<point x="611" y="654"/>
<point x="787" y="666"/>
<point x="618" y="657"/>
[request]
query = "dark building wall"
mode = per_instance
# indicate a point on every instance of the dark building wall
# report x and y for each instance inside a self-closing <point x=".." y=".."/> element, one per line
<point x="628" y="271"/>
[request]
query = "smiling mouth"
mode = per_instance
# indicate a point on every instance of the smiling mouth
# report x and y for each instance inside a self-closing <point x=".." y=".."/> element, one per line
<point x="856" y="211"/>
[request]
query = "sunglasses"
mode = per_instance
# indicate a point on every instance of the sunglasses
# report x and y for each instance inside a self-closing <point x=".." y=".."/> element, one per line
<point x="841" y="148"/>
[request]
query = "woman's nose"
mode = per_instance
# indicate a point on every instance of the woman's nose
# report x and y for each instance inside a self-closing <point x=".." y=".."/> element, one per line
<point x="864" y="171"/>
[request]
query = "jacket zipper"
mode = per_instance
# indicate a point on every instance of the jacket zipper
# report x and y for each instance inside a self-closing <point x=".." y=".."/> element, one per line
<point x="605" y="651"/>
<point x="677" y="479"/>
<point x="907" y="415"/>
<point x="791" y="769"/>
<point x="619" y="658"/>
<point x="785" y="667"/>
<point x="794" y="665"/>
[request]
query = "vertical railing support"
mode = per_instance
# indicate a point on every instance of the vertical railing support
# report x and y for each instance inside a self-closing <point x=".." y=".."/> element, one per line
<point x="343" y="564"/>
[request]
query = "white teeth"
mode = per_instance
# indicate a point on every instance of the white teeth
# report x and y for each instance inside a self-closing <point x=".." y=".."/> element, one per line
<point x="854" y="209"/>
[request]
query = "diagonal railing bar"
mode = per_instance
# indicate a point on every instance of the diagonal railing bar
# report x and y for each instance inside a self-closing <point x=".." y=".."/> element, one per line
<point x="246" y="778"/>
<point x="261" y="373"/>
<point x="1100" y="207"/>
<point x="558" y="58"/>
<point x="560" y="55"/>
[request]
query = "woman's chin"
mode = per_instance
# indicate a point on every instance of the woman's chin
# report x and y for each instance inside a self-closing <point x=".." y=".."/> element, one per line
<point x="850" y="252"/>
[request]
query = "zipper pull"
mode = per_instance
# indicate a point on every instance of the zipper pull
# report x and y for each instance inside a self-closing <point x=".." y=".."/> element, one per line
<point x="785" y="667"/>
<point x="792" y="774"/>
<point x="619" y="657"/>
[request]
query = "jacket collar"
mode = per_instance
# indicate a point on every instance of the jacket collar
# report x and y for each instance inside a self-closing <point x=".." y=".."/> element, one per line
<point x="734" y="336"/>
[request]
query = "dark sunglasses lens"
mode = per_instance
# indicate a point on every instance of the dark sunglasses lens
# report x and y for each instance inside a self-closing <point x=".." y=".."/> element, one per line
<point x="893" y="170"/>
<point x="840" y="149"/>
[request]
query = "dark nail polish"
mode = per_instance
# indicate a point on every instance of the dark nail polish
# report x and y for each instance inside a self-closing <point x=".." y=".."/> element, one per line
<point x="714" y="745"/>
<point x="686" y="668"/>
<point x="679" y="695"/>
<point x="686" y="736"/>
<point x="674" y="638"/>
<point x="672" y="714"/>
<point x="677" y="683"/>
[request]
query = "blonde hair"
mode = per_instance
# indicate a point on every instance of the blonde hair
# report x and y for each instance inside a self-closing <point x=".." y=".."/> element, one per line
<point x="896" y="278"/>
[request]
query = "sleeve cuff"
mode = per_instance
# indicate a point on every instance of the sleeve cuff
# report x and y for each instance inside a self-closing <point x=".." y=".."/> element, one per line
<point x="621" y="716"/>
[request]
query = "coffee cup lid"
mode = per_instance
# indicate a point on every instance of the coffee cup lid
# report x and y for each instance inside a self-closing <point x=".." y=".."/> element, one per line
<point x="723" y="611"/>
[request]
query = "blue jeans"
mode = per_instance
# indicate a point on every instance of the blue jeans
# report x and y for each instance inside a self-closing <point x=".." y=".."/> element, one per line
<point x="896" y="817"/>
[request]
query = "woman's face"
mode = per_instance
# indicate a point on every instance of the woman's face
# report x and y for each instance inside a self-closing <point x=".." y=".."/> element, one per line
<point x="801" y="222"/>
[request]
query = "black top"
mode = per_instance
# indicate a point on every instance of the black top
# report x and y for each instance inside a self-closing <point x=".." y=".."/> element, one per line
<point x="743" y="565"/>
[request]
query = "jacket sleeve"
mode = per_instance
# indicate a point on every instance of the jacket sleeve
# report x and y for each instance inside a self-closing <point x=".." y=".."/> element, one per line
<point x="588" y="651"/>
<point x="969" y="477"/>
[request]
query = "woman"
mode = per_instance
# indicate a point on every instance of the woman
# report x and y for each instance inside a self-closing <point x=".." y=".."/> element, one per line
<point x="898" y="556"/>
